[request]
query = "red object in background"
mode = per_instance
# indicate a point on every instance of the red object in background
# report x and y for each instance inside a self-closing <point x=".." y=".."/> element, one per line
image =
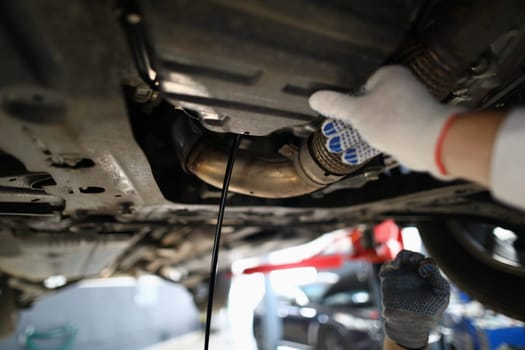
<point x="388" y="242"/>
<point x="387" y="239"/>
<point x="318" y="261"/>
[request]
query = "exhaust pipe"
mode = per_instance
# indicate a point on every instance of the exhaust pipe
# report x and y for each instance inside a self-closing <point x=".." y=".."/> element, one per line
<point x="265" y="178"/>
<point x="301" y="171"/>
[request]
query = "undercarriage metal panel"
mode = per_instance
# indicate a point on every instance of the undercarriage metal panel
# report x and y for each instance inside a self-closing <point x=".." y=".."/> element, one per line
<point x="249" y="66"/>
<point x="37" y="256"/>
<point x="458" y="200"/>
<point x="92" y="199"/>
<point x="62" y="110"/>
<point x="117" y="177"/>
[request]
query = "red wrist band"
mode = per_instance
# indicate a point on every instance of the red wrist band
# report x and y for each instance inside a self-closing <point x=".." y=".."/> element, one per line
<point x="438" y="154"/>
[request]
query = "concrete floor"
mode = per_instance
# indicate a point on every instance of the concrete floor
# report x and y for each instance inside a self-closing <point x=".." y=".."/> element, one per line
<point x="229" y="332"/>
<point x="218" y="341"/>
<point x="195" y="341"/>
<point x="119" y="313"/>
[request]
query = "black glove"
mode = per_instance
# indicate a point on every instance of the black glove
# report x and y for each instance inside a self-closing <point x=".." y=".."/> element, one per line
<point x="415" y="294"/>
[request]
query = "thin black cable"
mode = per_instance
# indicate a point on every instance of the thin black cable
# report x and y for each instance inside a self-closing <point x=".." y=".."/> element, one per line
<point x="217" y="239"/>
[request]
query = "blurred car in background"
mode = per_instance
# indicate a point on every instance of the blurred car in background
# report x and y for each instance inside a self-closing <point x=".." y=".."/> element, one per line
<point x="328" y="315"/>
<point x="337" y="311"/>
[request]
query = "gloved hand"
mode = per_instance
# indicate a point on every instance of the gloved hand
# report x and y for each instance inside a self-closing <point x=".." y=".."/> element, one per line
<point x="342" y="139"/>
<point x="414" y="298"/>
<point x="396" y="115"/>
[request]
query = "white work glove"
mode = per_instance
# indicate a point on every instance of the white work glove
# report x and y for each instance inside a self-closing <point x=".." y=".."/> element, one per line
<point x="395" y="115"/>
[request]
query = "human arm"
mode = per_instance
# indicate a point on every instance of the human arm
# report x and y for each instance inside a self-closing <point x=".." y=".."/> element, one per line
<point x="471" y="131"/>
<point x="397" y="115"/>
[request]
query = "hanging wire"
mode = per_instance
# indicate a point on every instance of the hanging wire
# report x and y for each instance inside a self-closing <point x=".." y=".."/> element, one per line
<point x="217" y="239"/>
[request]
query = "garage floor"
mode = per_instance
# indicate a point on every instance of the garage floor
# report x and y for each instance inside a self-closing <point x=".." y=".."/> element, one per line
<point x="118" y="313"/>
<point x="193" y="341"/>
<point x="218" y="341"/>
<point x="231" y="330"/>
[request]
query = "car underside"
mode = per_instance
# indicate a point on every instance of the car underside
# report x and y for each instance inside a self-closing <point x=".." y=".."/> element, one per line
<point x="117" y="117"/>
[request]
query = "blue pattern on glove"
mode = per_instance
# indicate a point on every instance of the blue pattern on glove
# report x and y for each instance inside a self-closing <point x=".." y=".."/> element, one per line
<point x="350" y="156"/>
<point x="345" y="140"/>
<point x="358" y="154"/>
<point x="334" y="145"/>
<point x="332" y="127"/>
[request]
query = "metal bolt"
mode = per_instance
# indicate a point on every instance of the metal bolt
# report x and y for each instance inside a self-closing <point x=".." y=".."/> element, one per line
<point x="215" y="119"/>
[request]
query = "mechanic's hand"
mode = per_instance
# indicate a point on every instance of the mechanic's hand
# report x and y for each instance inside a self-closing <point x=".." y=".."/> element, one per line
<point x="414" y="298"/>
<point x="342" y="139"/>
<point x="395" y="115"/>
